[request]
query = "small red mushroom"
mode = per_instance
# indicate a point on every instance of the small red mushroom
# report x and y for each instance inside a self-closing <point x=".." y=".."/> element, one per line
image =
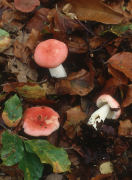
<point x="108" y="108"/>
<point x="50" y="54"/>
<point x="40" y="121"/>
<point x="26" y="5"/>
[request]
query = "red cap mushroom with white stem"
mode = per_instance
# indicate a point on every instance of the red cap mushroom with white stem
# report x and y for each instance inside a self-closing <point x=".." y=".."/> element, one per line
<point x="50" y="54"/>
<point x="40" y="121"/>
<point x="108" y="108"/>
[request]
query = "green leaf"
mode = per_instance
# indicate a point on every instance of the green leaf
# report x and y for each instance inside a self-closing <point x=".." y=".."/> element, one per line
<point x="12" y="113"/>
<point x="31" y="166"/>
<point x="3" y="33"/>
<point x="12" y="149"/>
<point x="56" y="157"/>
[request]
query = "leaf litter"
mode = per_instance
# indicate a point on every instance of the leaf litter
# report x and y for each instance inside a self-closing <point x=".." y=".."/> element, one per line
<point x="98" y="35"/>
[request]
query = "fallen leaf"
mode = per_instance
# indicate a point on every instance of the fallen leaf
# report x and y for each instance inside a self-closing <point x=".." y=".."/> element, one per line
<point x="111" y="86"/>
<point x="77" y="45"/>
<point x="31" y="166"/>
<point x="49" y="154"/>
<point x="12" y="20"/>
<point x="31" y="92"/>
<point x="128" y="100"/>
<point x="101" y="177"/>
<point x="122" y="79"/>
<point x="12" y="112"/>
<point x="95" y="11"/>
<point x="74" y="117"/>
<point x="33" y="39"/>
<point x="54" y="177"/>
<point x="22" y="71"/>
<point x="125" y="128"/>
<point x="39" y="20"/>
<point x="78" y="83"/>
<point x="26" y="5"/>
<point x="12" y="149"/>
<point x="123" y="63"/>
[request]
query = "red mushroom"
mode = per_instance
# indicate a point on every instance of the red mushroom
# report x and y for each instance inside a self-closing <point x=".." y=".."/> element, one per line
<point x="50" y="54"/>
<point x="26" y="5"/>
<point x="108" y="108"/>
<point x="40" y="121"/>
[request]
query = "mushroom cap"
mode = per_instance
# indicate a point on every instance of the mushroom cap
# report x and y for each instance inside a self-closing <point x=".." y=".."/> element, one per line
<point x="40" y="121"/>
<point x="50" y="53"/>
<point x="107" y="99"/>
<point x="26" y="5"/>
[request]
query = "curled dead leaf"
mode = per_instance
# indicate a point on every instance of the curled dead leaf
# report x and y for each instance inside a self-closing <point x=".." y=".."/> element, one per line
<point x="22" y="71"/>
<point x="77" y="45"/>
<point x="123" y="63"/>
<point x="125" y="128"/>
<point x="128" y="100"/>
<point x="95" y="11"/>
<point x="78" y="83"/>
<point x="122" y="79"/>
<point x="75" y="115"/>
<point x="39" y="20"/>
<point x="31" y="92"/>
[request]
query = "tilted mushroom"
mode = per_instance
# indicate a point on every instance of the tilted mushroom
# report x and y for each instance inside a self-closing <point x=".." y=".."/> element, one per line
<point x="108" y="108"/>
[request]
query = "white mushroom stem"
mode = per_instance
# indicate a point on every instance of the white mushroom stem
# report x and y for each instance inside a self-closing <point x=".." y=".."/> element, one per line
<point x="99" y="115"/>
<point x="58" y="72"/>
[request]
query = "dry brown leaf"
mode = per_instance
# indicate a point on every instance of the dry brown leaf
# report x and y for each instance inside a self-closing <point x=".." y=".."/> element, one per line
<point x="125" y="128"/>
<point x="118" y="75"/>
<point x="11" y="20"/>
<point x="33" y="39"/>
<point x="77" y="45"/>
<point x="128" y="100"/>
<point x="78" y="83"/>
<point x="39" y="20"/>
<point x="22" y="71"/>
<point x="95" y="11"/>
<point x="122" y="62"/>
<point x="101" y="177"/>
<point x="111" y="86"/>
<point x="74" y="116"/>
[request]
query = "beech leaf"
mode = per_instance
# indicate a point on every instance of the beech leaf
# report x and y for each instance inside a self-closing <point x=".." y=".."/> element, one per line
<point x="12" y="113"/>
<point x="49" y="154"/>
<point x="95" y="11"/>
<point x="31" y="166"/>
<point x="12" y="149"/>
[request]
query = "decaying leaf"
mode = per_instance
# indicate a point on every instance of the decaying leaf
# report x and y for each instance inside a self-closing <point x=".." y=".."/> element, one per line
<point x="56" y="157"/>
<point x="77" y="45"/>
<point x="39" y="20"/>
<point x="12" y="149"/>
<point x="12" y="112"/>
<point x="78" y="83"/>
<point x="101" y="177"/>
<point x="122" y="79"/>
<point x="33" y="39"/>
<point x="125" y="128"/>
<point x="31" y="92"/>
<point x="22" y="71"/>
<point x="128" y="100"/>
<point x="26" y="5"/>
<point x="74" y="117"/>
<point x="5" y="40"/>
<point x="11" y="20"/>
<point x="95" y="11"/>
<point x="123" y="63"/>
